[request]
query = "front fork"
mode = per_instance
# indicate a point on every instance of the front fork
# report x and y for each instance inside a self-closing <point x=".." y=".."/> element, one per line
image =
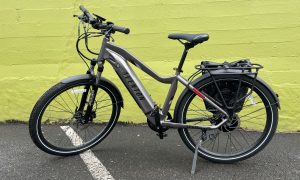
<point x="90" y="100"/>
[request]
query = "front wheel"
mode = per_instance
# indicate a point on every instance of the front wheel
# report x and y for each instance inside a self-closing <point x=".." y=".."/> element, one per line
<point x="59" y="126"/>
<point x="251" y="125"/>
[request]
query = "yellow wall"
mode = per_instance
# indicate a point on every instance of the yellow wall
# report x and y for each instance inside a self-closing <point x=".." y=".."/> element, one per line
<point x="37" y="45"/>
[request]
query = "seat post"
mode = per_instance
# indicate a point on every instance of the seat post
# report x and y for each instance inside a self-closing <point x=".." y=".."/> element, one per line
<point x="187" y="46"/>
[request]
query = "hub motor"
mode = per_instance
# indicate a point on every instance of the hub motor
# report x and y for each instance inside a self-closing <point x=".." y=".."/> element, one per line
<point x="232" y="123"/>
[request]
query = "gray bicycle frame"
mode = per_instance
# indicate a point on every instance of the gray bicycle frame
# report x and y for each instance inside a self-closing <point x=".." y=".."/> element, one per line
<point x="119" y="57"/>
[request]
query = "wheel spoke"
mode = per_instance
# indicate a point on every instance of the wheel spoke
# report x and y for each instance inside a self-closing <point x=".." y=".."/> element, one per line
<point x="59" y="113"/>
<point x="71" y="99"/>
<point x="226" y="143"/>
<point x="243" y="137"/>
<point x="76" y="95"/>
<point x="254" y="117"/>
<point x="232" y="138"/>
<point x="252" y="112"/>
<point x="205" y="114"/>
<point x="65" y="102"/>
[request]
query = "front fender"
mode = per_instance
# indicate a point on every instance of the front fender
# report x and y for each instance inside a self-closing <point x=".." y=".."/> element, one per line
<point x="103" y="80"/>
<point x="77" y="77"/>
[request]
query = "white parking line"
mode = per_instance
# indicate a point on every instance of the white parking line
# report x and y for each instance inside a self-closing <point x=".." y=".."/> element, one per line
<point x="96" y="168"/>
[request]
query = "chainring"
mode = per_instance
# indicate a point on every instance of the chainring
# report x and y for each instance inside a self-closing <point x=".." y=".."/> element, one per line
<point x="156" y="128"/>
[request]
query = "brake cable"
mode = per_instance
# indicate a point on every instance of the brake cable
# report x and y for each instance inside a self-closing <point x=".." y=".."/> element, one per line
<point x="86" y="42"/>
<point x="85" y="36"/>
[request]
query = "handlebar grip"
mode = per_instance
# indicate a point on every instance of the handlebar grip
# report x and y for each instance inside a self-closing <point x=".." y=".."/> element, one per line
<point x="124" y="30"/>
<point x="82" y="8"/>
<point x="88" y="14"/>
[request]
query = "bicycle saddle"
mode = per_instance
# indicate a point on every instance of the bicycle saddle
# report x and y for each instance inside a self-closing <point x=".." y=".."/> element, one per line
<point x="192" y="38"/>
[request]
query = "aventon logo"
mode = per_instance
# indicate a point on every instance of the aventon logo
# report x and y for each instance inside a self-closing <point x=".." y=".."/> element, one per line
<point x="131" y="84"/>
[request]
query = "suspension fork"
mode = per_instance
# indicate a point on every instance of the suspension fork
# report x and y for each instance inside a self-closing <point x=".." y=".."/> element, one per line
<point x="94" y="83"/>
<point x="86" y="88"/>
<point x="91" y="102"/>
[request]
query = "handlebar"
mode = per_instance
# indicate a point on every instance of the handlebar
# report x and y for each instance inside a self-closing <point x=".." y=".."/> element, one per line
<point x="92" y="20"/>
<point x="121" y="29"/>
<point x="113" y="27"/>
<point x="99" y="25"/>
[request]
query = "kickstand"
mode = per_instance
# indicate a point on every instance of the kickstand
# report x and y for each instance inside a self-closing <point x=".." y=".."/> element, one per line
<point x="194" y="164"/>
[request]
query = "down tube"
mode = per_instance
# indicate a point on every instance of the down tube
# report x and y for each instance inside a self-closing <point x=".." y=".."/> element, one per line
<point x="132" y="83"/>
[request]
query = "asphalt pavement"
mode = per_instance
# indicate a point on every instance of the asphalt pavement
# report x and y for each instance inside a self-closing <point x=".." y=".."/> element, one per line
<point x="135" y="152"/>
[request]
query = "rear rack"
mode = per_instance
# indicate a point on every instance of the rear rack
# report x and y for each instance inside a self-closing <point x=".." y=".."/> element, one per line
<point x="225" y="66"/>
<point x="239" y="68"/>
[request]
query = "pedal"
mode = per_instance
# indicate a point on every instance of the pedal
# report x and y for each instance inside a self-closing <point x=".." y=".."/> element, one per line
<point x="161" y="135"/>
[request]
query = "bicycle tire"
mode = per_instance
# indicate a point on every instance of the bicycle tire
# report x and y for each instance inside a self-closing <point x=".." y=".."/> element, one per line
<point x="35" y="124"/>
<point x="268" y="132"/>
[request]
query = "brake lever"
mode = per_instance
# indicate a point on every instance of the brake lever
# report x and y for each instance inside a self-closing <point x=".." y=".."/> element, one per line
<point x="82" y="17"/>
<point x="99" y="17"/>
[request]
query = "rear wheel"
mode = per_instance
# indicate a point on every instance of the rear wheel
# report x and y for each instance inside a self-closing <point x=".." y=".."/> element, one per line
<point x="58" y="127"/>
<point x="249" y="129"/>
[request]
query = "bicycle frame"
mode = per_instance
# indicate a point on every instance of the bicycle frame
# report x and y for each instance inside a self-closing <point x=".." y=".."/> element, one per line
<point x="119" y="57"/>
